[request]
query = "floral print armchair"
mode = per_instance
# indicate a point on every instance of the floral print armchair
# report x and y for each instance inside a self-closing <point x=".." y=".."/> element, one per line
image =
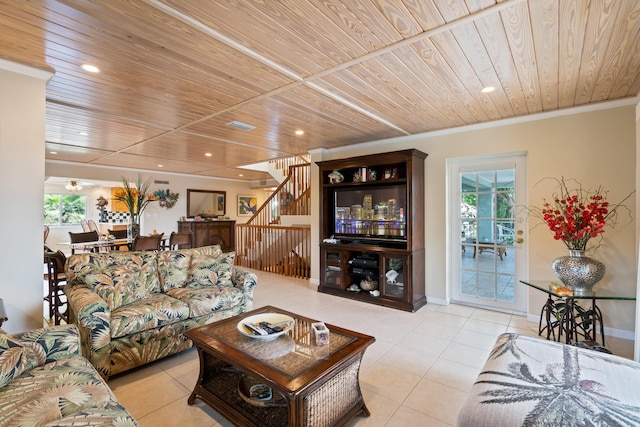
<point x="45" y="381"/>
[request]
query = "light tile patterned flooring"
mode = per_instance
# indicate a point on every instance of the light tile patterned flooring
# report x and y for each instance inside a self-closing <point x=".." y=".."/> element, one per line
<point x="417" y="373"/>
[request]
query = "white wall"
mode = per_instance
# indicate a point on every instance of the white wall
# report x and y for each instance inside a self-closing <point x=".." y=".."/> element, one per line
<point x="22" y="112"/>
<point x="595" y="147"/>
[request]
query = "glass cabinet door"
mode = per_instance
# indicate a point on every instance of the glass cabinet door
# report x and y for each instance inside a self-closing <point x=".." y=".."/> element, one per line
<point x="333" y="269"/>
<point x="392" y="276"/>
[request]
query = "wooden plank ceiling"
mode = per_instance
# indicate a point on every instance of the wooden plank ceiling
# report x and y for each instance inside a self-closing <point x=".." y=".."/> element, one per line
<point x="175" y="72"/>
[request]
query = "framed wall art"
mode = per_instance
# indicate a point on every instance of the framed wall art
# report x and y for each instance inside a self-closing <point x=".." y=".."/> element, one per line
<point x="247" y="205"/>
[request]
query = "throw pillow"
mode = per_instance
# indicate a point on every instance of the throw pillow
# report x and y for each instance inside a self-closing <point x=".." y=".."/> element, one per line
<point x="124" y="278"/>
<point x="173" y="268"/>
<point x="214" y="250"/>
<point x="211" y="270"/>
<point x="14" y="359"/>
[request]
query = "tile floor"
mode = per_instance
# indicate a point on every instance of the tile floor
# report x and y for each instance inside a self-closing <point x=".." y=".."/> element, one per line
<point x="417" y="373"/>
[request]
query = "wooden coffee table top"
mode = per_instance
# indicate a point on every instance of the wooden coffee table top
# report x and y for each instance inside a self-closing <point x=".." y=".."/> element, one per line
<point x="292" y="360"/>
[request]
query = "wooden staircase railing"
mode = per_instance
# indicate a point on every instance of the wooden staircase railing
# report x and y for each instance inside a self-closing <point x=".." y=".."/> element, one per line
<point x="284" y="164"/>
<point x="275" y="248"/>
<point x="263" y="244"/>
<point x="290" y="198"/>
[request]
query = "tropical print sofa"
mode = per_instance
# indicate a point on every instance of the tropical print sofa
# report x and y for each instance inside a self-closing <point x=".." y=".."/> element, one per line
<point x="132" y="307"/>
<point x="533" y="382"/>
<point x="45" y="381"/>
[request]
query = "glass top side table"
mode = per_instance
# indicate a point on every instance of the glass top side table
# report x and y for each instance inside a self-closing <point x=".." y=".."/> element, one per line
<point x="564" y="314"/>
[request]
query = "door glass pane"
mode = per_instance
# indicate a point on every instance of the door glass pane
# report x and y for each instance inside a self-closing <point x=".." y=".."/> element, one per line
<point x="468" y="182"/>
<point x="487" y="223"/>
<point x="506" y="287"/>
<point x="485" y="230"/>
<point x="486" y="181"/>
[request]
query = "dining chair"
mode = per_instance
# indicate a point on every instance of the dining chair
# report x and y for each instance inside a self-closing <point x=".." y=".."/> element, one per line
<point x="119" y="234"/>
<point x="179" y="240"/>
<point x="147" y="243"/>
<point x="89" y="236"/>
<point x="57" y="279"/>
<point x="93" y="226"/>
<point x="46" y="232"/>
<point x="85" y="225"/>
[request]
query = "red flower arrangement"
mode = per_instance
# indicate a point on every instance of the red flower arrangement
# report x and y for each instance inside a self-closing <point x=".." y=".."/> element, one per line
<point x="577" y="215"/>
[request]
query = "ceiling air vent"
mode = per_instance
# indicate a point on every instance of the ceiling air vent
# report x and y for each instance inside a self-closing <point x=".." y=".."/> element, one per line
<point x="161" y="182"/>
<point x="263" y="183"/>
<point x="240" y="125"/>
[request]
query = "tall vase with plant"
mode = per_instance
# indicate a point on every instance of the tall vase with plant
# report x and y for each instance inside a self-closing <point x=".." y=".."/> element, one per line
<point x="135" y="196"/>
<point x="575" y="216"/>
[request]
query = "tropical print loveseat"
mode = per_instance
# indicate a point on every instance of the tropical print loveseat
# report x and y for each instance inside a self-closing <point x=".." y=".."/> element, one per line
<point x="132" y="307"/>
<point x="45" y="381"/>
<point x="529" y="381"/>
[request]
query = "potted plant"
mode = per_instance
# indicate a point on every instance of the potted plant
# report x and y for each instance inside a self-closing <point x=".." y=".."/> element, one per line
<point x="575" y="216"/>
<point x="135" y="196"/>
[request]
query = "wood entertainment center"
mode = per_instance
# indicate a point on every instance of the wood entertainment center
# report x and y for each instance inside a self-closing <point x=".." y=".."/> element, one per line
<point x="372" y="228"/>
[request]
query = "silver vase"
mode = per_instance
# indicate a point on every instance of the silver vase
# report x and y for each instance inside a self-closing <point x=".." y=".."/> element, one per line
<point x="578" y="272"/>
<point x="133" y="230"/>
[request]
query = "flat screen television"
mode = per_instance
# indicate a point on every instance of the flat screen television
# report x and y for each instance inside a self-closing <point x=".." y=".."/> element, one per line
<point x="369" y="213"/>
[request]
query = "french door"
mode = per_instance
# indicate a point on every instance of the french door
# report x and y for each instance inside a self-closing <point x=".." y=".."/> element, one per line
<point x="487" y="239"/>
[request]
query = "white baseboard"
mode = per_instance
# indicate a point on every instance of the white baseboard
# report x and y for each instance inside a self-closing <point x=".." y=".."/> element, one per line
<point x="619" y="333"/>
<point x="437" y="301"/>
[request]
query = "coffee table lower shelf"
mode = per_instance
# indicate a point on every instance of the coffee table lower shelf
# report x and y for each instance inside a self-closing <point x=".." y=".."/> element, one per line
<point x="221" y="393"/>
<point x="331" y="403"/>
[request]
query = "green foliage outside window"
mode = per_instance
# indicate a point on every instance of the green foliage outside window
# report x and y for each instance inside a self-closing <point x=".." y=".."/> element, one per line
<point x="470" y="199"/>
<point x="64" y="209"/>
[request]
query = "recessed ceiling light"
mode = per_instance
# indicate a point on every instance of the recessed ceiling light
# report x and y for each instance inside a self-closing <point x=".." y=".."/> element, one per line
<point x="208" y="154"/>
<point x="160" y="166"/>
<point x="240" y="175"/>
<point x="488" y="89"/>
<point x="83" y="133"/>
<point x="299" y="132"/>
<point x="90" y="68"/>
<point x="53" y="152"/>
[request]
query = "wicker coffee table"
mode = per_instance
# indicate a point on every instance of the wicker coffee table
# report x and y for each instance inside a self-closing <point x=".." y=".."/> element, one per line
<point x="311" y="385"/>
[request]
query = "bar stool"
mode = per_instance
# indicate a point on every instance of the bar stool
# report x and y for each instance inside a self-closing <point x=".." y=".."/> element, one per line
<point x="57" y="279"/>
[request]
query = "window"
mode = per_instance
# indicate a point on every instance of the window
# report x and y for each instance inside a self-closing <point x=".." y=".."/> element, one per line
<point x="64" y="209"/>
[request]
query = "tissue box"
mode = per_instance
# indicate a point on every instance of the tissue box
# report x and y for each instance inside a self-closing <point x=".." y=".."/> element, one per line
<point x="320" y="333"/>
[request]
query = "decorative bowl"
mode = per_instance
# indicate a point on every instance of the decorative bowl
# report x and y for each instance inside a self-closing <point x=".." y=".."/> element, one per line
<point x="263" y="322"/>
<point x="368" y="285"/>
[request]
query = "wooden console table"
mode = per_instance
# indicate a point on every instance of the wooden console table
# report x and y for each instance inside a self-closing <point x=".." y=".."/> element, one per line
<point x="215" y="232"/>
